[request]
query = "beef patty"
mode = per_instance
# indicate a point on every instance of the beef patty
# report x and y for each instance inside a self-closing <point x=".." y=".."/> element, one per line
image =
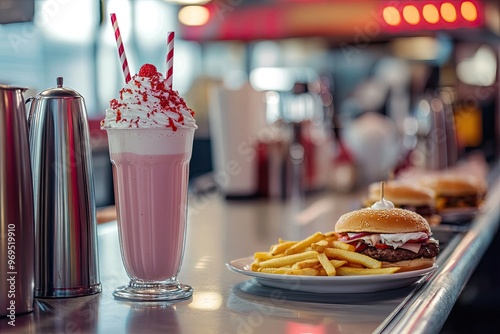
<point x="394" y="255"/>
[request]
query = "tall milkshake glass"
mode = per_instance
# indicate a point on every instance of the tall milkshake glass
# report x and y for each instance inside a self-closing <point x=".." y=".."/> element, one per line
<point x="150" y="172"/>
<point x="150" y="135"/>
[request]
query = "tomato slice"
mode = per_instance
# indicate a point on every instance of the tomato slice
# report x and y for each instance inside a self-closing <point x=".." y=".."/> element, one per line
<point x="361" y="246"/>
<point x="382" y="246"/>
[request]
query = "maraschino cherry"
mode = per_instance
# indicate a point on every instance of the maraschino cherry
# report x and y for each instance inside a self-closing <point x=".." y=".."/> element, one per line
<point x="148" y="70"/>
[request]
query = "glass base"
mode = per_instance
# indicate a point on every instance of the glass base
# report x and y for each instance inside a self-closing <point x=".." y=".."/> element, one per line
<point x="153" y="291"/>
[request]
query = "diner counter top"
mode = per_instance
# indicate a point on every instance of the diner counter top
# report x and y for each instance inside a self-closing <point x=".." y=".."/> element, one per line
<point x="227" y="302"/>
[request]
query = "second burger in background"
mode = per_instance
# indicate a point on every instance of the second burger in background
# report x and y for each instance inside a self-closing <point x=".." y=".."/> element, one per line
<point x="397" y="237"/>
<point x="456" y="193"/>
<point x="409" y="196"/>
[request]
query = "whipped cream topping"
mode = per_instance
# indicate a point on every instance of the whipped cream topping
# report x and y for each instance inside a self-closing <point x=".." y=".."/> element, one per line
<point x="147" y="102"/>
<point x="383" y="205"/>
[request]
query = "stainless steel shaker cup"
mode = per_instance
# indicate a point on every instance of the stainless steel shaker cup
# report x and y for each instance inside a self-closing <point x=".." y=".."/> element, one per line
<point x="16" y="207"/>
<point x="66" y="258"/>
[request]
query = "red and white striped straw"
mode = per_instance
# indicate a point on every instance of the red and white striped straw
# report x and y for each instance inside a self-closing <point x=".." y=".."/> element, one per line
<point x="121" y="49"/>
<point x="170" y="58"/>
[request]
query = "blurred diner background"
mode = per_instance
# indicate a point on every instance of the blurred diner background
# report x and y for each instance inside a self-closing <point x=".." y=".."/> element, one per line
<point x="291" y="96"/>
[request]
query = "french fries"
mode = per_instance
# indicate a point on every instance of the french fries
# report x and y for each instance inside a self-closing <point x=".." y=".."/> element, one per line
<point x="343" y="245"/>
<point x="303" y="244"/>
<point x="354" y="257"/>
<point x="287" y="260"/>
<point x="320" y="246"/>
<point x="320" y="254"/>
<point x="327" y="265"/>
<point x="348" y="271"/>
<point x="262" y="256"/>
<point x="281" y="247"/>
<point x="311" y="263"/>
<point x="291" y="271"/>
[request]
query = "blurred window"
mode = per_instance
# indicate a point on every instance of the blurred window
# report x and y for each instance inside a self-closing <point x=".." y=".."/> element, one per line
<point x="74" y="39"/>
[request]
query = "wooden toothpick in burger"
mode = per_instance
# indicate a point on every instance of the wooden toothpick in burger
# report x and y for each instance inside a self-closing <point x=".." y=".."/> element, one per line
<point x="396" y="237"/>
<point x="406" y="195"/>
<point x="382" y="203"/>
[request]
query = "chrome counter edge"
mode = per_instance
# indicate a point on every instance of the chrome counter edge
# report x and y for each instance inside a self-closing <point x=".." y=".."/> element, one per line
<point x="426" y="310"/>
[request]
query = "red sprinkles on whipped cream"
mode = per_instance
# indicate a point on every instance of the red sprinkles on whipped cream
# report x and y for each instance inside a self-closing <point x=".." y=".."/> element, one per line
<point x="147" y="102"/>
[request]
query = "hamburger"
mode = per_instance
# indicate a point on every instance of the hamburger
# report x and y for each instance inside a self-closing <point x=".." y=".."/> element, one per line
<point x="409" y="196"/>
<point x="456" y="193"/>
<point x="396" y="237"/>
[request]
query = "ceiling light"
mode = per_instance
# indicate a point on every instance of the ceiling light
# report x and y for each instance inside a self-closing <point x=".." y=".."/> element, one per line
<point x="194" y="15"/>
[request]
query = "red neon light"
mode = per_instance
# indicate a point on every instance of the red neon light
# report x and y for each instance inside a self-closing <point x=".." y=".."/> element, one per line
<point x="468" y="11"/>
<point x="411" y="14"/>
<point x="431" y="14"/>
<point x="391" y="16"/>
<point x="448" y="12"/>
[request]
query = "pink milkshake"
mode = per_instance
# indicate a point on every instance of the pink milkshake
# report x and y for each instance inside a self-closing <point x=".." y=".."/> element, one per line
<point x="150" y="132"/>
<point x="151" y="251"/>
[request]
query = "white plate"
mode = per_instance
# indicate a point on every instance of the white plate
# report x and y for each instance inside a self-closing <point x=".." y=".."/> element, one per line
<point x="330" y="284"/>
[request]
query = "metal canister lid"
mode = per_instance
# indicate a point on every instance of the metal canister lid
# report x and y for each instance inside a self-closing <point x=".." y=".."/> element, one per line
<point x="8" y="87"/>
<point x="59" y="91"/>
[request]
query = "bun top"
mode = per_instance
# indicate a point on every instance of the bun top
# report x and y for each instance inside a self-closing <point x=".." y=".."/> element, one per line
<point x="454" y="185"/>
<point x="382" y="221"/>
<point x="403" y="193"/>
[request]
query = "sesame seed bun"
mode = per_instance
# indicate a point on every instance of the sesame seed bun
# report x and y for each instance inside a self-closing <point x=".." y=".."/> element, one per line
<point x="454" y="185"/>
<point x="382" y="221"/>
<point x="402" y="193"/>
<point x="409" y="265"/>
